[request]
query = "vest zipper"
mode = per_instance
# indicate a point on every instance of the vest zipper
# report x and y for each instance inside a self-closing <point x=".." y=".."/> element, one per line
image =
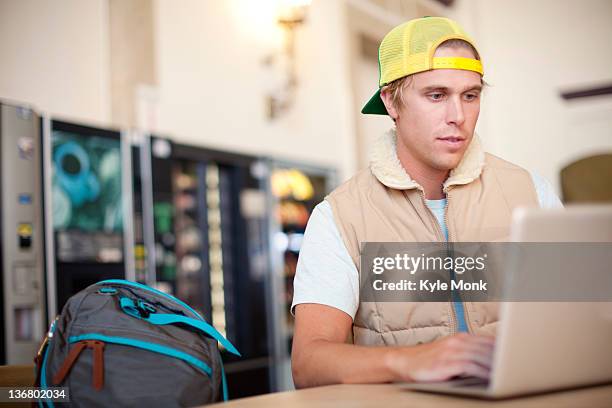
<point x="432" y="218"/>
<point x="453" y="327"/>
<point x="451" y="239"/>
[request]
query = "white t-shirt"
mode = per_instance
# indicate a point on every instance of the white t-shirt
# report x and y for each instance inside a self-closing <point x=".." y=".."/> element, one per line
<point x="326" y="273"/>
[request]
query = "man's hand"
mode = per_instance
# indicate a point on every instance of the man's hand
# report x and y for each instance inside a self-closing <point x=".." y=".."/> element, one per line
<point x="443" y="359"/>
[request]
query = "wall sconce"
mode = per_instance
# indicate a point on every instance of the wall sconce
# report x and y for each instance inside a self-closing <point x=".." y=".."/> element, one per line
<point x="291" y="14"/>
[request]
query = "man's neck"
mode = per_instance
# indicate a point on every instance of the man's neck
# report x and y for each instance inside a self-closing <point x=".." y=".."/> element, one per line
<point x="429" y="178"/>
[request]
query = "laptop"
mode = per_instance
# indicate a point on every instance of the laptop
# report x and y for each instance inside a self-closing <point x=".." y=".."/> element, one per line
<point x="547" y="346"/>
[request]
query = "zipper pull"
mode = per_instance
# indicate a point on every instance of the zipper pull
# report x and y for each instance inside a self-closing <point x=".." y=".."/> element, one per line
<point x="98" y="362"/>
<point x="69" y="361"/>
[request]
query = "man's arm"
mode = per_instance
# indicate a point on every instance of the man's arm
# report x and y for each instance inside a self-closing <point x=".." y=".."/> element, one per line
<point x="321" y="355"/>
<point x="325" y="300"/>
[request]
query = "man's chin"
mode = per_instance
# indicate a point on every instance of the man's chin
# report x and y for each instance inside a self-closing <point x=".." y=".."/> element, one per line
<point x="447" y="163"/>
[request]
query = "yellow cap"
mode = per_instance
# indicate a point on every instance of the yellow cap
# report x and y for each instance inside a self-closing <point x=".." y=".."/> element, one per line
<point x="409" y="48"/>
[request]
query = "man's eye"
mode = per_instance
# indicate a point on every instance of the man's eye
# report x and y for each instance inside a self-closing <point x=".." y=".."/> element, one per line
<point x="471" y="97"/>
<point x="436" y="96"/>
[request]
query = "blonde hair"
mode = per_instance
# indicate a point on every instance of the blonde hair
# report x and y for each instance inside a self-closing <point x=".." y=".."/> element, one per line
<point x="396" y="88"/>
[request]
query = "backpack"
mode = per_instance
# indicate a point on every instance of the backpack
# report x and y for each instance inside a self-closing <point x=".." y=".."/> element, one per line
<point x="122" y="343"/>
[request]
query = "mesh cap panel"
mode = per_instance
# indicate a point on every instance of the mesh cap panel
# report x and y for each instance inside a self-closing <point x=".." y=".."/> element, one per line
<point x="420" y="39"/>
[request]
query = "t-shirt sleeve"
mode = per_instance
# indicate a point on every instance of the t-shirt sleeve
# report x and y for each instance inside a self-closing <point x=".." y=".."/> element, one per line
<point x="546" y="194"/>
<point x="325" y="272"/>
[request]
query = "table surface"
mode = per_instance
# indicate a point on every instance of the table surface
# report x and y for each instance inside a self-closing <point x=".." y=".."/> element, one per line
<point x="392" y="395"/>
<point x="378" y="395"/>
<point x="17" y="376"/>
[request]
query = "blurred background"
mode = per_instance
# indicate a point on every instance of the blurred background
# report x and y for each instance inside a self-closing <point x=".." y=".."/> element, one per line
<point x="183" y="144"/>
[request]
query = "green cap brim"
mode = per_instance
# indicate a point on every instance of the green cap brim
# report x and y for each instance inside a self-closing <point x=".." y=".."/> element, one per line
<point x="375" y="106"/>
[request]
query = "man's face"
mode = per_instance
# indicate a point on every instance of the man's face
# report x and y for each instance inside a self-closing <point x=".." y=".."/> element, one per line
<point x="436" y="121"/>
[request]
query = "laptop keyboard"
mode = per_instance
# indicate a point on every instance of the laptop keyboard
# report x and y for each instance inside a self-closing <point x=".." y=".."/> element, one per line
<point x="466" y="382"/>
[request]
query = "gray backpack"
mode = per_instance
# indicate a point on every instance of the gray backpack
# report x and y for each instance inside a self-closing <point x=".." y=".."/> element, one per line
<point x="124" y="344"/>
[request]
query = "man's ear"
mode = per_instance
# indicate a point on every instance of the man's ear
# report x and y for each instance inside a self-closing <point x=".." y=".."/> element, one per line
<point x="385" y="95"/>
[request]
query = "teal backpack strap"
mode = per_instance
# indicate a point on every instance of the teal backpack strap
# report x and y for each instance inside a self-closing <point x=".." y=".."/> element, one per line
<point x="162" y="319"/>
<point x="129" y="306"/>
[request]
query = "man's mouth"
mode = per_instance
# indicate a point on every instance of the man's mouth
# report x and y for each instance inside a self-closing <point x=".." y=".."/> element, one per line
<point x="453" y="141"/>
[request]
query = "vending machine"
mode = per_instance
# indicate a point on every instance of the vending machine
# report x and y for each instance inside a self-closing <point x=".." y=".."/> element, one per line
<point x="140" y="251"/>
<point x="205" y="232"/>
<point x="21" y="248"/>
<point x="88" y="208"/>
<point x="294" y="189"/>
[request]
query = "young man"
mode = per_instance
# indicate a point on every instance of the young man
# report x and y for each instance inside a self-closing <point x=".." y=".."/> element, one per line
<point x="429" y="180"/>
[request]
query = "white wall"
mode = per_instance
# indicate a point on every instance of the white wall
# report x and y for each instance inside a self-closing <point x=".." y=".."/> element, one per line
<point x="54" y="55"/>
<point x="212" y="82"/>
<point x="532" y="50"/>
<point x="367" y="25"/>
<point x="371" y="127"/>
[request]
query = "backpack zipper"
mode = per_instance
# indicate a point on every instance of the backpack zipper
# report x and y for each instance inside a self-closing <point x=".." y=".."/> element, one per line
<point x="145" y="345"/>
<point x="43" y="368"/>
<point x="152" y="290"/>
<point x="97" y="366"/>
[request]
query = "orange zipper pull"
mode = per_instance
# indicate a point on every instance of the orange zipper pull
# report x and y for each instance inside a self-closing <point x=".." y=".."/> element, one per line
<point x="68" y="362"/>
<point x="98" y="363"/>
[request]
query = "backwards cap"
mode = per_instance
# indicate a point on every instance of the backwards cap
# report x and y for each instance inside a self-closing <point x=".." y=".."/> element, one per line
<point x="409" y="48"/>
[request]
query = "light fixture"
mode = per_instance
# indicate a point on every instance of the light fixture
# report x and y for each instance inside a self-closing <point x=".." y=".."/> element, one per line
<point x="291" y="183"/>
<point x="291" y="14"/>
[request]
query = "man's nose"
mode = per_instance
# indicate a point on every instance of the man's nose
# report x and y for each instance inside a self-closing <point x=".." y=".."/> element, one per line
<point x="454" y="111"/>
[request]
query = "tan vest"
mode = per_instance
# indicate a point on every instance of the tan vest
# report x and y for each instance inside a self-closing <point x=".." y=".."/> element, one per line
<point x="383" y="204"/>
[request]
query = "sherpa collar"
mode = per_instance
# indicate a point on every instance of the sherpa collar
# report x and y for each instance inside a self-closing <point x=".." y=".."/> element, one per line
<point x="386" y="167"/>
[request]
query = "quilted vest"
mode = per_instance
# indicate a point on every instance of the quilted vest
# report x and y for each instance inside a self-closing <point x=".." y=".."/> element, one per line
<point x="383" y="204"/>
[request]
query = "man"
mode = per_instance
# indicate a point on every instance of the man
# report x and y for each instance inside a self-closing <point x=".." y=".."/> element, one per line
<point x="429" y="180"/>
